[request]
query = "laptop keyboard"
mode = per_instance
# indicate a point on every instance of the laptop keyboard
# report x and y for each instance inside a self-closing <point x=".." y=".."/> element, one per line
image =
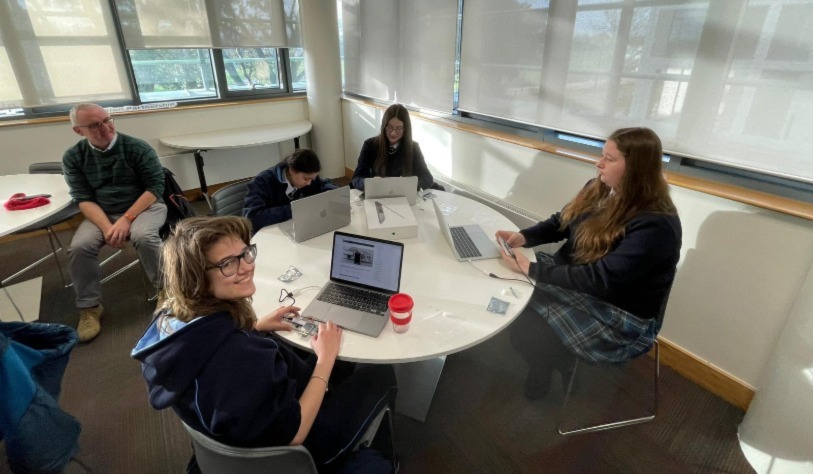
<point x="356" y="298"/>
<point x="463" y="243"/>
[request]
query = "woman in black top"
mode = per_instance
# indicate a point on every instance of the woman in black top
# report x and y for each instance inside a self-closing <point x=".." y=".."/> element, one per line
<point x="623" y="239"/>
<point x="392" y="152"/>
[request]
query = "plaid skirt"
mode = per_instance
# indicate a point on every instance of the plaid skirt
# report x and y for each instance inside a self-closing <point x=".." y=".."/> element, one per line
<point x="590" y="328"/>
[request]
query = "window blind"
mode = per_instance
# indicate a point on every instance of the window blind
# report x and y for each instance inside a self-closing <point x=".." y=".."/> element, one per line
<point x="54" y="52"/>
<point x="401" y="51"/>
<point x="209" y="23"/>
<point x="721" y="81"/>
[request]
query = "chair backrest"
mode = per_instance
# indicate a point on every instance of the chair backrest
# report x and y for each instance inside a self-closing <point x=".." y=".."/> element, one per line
<point x="45" y="167"/>
<point x="216" y="457"/>
<point x="228" y="200"/>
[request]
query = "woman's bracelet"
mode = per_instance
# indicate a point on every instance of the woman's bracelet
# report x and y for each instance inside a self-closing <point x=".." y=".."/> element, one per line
<point x="322" y="379"/>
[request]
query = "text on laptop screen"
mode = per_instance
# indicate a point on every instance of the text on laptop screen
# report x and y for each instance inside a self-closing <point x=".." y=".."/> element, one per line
<point x="363" y="261"/>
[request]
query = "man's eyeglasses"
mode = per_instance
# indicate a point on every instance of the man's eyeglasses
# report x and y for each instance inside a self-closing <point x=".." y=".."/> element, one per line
<point x="286" y="298"/>
<point x="97" y="125"/>
<point x="229" y="265"/>
<point x="394" y="129"/>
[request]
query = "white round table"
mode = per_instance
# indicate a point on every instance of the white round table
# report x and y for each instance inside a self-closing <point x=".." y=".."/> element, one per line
<point x="450" y="297"/>
<point x="53" y="184"/>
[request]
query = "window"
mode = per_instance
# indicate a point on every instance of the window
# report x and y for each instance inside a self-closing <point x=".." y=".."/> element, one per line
<point x="250" y="69"/>
<point x="720" y="82"/>
<point x="173" y="74"/>
<point x="725" y="84"/>
<point x="297" y="59"/>
<point x="57" y="52"/>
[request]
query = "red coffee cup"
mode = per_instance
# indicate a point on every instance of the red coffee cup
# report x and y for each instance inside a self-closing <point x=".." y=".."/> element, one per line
<point x="400" y="311"/>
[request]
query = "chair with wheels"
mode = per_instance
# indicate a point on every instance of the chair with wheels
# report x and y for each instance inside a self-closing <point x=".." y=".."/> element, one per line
<point x="215" y="457"/>
<point x="647" y="343"/>
<point x="228" y="200"/>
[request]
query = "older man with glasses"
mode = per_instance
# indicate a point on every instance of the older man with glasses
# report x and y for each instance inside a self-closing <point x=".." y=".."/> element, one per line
<point x="117" y="182"/>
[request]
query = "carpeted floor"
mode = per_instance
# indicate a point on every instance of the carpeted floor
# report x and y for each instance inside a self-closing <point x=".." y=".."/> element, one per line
<point x="478" y="422"/>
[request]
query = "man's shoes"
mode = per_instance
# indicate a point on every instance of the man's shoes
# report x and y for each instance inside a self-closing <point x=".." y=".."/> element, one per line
<point x="537" y="385"/>
<point x="89" y="323"/>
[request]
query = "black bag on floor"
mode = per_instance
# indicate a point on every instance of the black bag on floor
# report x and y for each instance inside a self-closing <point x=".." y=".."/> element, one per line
<point x="178" y="207"/>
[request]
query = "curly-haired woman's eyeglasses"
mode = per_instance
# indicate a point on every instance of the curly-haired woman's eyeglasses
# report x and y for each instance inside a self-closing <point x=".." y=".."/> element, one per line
<point x="229" y="265"/>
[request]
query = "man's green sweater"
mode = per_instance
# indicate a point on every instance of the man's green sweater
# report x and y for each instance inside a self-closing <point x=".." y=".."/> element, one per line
<point x="116" y="178"/>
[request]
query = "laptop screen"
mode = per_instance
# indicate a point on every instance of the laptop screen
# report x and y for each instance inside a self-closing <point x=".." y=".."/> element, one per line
<point x="367" y="261"/>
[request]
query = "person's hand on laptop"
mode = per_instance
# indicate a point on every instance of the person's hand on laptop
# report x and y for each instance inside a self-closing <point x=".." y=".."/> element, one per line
<point x="327" y="342"/>
<point x="274" y="321"/>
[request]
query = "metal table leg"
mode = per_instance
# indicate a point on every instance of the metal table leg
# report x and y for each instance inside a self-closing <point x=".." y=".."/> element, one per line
<point x="417" y="382"/>
<point x="204" y="189"/>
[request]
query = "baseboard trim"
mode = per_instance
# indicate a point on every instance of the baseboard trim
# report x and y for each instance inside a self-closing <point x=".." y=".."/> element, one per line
<point x="706" y="375"/>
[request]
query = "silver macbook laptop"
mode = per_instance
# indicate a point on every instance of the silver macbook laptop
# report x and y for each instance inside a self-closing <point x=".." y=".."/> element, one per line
<point x="318" y="214"/>
<point x="364" y="273"/>
<point x="406" y="186"/>
<point x="468" y="242"/>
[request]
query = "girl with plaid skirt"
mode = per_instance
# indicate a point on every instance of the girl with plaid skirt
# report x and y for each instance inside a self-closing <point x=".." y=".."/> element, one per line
<point x="601" y="296"/>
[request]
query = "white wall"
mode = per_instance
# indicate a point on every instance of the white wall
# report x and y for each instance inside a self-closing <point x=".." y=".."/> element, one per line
<point x="23" y="145"/>
<point x="741" y="267"/>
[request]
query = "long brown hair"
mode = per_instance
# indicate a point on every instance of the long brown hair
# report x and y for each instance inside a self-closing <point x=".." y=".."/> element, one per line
<point x="184" y="263"/>
<point x="380" y="164"/>
<point x="643" y="188"/>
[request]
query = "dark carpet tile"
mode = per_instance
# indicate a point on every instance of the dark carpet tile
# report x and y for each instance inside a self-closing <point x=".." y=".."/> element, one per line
<point x="479" y="421"/>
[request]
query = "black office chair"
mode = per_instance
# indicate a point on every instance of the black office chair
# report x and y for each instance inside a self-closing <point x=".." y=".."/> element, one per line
<point x="652" y="403"/>
<point x="50" y="167"/>
<point x="228" y="200"/>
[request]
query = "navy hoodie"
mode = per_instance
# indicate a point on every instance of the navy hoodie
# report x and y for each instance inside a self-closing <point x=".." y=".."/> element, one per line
<point x="266" y="202"/>
<point x="240" y="388"/>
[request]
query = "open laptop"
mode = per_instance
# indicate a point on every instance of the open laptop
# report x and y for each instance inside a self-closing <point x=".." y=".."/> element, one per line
<point x="318" y="214"/>
<point x="406" y="186"/>
<point x="468" y="242"/>
<point x="364" y="273"/>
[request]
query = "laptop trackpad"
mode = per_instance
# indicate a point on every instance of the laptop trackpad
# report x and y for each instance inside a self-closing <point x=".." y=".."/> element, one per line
<point x="344" y="317"/>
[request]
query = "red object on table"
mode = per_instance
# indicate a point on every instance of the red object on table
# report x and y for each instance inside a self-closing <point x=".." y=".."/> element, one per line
<point x="18" y="202"/>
